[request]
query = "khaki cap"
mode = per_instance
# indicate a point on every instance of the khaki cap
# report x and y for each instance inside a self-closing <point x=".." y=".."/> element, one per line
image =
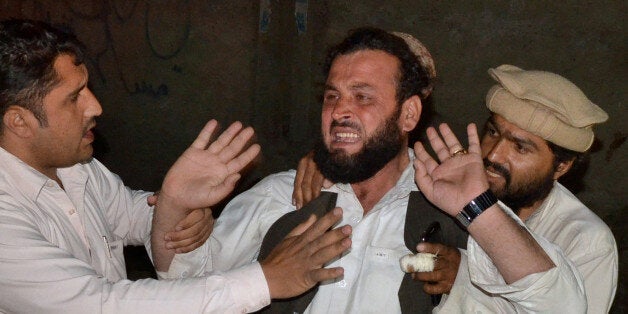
<point x="545" y="104"/>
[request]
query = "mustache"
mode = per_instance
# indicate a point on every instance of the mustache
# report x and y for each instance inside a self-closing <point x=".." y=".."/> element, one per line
<point x="348" y="124"/>
<point x="497" y="168"/>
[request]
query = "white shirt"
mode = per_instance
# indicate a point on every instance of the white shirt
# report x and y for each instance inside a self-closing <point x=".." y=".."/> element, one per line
<point x="586" y="240"/>
<point x="372" y="274"/>
<point x="61" y="250"/>
<point x="480" y="288"/>
<point x="583" y="238"/>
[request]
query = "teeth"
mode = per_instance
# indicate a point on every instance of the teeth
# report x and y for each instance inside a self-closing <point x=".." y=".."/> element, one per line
<point x="346" y="135"/>
<point x="492" y="174"/>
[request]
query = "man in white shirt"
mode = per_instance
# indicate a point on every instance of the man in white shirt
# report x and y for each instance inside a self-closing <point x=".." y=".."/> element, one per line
<point x="541" y="124"/>
<point x="372" y="100"/>
<point x="64" y="218"/>
<point x="524" y="160"/>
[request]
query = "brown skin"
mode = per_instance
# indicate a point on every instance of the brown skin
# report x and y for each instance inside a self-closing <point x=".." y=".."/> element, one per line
<point x="70" y="109"/>
<point x="361" y="89"/>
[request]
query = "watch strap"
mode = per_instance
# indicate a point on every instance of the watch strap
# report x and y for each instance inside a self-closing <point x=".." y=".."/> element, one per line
<point x="476" y="207"/>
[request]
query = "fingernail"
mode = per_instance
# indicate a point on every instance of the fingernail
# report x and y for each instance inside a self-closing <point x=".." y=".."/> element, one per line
<point x="167" y="238"/>
<point x="346" y="242"/>
<point x="346" y="230"/>
<point x="178" y="228"/>
<point x="169" y="245"/>
<point x="420" y="247"/>
<point x="294" y="202"/>
<point x="337" y="211"/>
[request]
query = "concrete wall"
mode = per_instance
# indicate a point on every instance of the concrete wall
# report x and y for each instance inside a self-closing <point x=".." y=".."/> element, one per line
<point x="163" y="68"/>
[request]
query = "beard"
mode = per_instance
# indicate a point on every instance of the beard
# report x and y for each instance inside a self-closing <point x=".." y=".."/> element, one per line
<point x="338" y="166"/>
<point x="521" y="194"/>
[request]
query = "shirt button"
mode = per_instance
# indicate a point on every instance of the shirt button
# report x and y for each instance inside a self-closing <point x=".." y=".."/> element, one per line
<point x="71" y="211"/>
<point x="49" y="184"/>
<point x="342" y="283"/>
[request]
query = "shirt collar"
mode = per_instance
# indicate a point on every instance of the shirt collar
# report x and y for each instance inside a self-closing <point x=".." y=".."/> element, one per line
<point x="29" y="181"/>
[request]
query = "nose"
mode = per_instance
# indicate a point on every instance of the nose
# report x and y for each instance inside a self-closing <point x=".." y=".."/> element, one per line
<point x="93" y="108"/>
<point x="341" y="109"/>
<point x="497" y="151"/>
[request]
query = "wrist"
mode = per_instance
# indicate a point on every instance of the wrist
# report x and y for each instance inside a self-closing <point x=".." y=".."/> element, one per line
<point x="476" y="207"/>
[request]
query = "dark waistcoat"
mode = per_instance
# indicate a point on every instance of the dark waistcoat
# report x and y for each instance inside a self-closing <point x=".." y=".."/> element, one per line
<point x="420" y="215"/>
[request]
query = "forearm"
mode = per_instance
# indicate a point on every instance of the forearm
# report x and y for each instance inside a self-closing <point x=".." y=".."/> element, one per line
<point x="165" y="218"/>
<point x="512" y="249"/>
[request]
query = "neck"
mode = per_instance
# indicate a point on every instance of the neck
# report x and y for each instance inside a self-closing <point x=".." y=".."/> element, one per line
<point x="370" y="191"/>
<point x="26" y="156"/>
<point x="526" y="212"/>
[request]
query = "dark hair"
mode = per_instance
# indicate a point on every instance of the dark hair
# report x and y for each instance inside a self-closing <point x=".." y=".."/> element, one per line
<point x="28" y="50"/>
<point x="573" y="179"/>
<point x="413" y="77"/>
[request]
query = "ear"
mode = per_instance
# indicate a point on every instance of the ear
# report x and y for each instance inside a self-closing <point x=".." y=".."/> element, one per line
<point x="19" y="121"/>
<point x="562" y="168"/>
<point x="410" y="113"/>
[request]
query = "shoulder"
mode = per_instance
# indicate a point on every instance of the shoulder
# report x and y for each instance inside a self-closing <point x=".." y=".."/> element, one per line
<point x="573" y="226"/>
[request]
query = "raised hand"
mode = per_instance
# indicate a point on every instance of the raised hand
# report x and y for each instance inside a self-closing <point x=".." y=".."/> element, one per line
<point x="308" y="181"/>
<point x="296" y="264"/>
<point x="207" y="171"/>
<point x="204" y="175"/>
<point x="460" y="176"/>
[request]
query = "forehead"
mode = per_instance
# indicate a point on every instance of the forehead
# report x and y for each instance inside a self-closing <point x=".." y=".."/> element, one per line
<point x="514" y="132"/>
<point x="365" y="65"/>
<point x="69" y="75"/>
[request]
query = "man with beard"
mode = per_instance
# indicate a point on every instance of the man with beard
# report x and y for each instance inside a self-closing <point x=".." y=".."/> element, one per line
<point x="540" y="127"/>
<point x="372" y="99"/>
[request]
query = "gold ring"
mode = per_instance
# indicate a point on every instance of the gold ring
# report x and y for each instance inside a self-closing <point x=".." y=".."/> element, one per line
<point x="461" y="151"/>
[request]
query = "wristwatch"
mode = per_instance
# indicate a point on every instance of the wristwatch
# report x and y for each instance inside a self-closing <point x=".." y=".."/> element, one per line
<point x="476" y="207"/>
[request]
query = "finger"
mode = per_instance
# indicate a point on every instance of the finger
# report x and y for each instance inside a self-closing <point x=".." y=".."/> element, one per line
<point x="313" y="182"/>
<point x="474" y="139"/>
<point x="327" y="183"/>
<point x="302" y="227"/>
<point x="450" y="138"/>
<point x="320" y="226"/>
<point x="322" y="274"/>
<point x="237" y="144"/>
<point x="436" y="288"/>
<point x="439" y="147"/>
<point x="428" y="276"/>
<point x="421" y="175"/>
<point x="297" y="191"/>
<point x="222" y="190"/>
<point x="427" y="247"/>
<point x="205" y="135"/>
<point x="225" y="138"/>
<point x="196" y="216"/>
<point x="330" y="245"/>
<point x="238" y="163"/>
<point x="152" y="200"/>
<point x="424" y="157"/>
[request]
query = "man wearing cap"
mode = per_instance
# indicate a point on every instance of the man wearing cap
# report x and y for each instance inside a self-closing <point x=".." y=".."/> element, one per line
<point x="373" y="96"/>
<point x="540" y="125"/>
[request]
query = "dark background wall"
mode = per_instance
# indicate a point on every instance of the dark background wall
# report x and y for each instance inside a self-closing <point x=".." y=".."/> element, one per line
<point x="161" y="69"/>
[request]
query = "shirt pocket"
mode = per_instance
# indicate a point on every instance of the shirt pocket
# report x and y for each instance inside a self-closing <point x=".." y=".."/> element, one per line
<point x="115" y="269"/>
<point x="380" y="279"/>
